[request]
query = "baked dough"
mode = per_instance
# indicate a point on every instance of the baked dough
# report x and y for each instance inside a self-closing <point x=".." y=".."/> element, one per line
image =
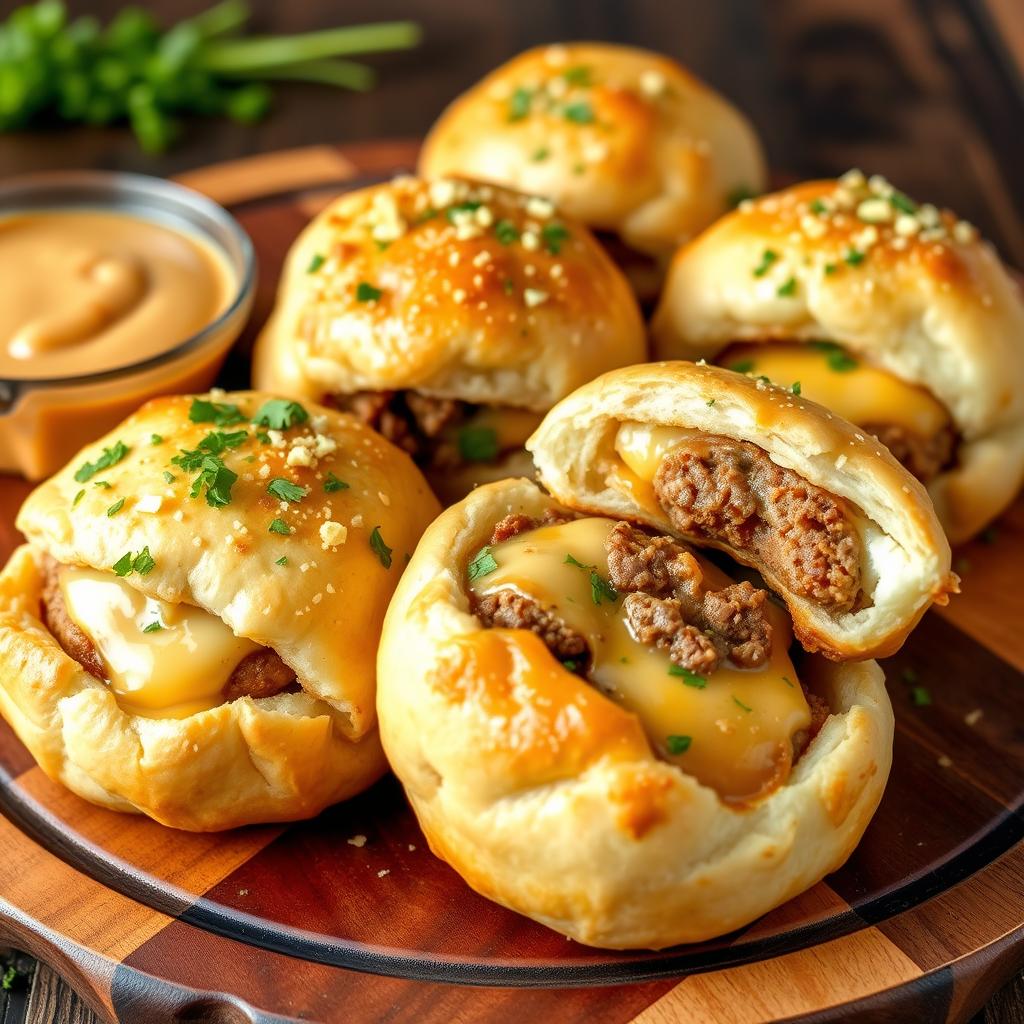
<point x="623" y="139"/>
<point x="486" y="296"/>
<point x="250" y="759"/>
<point x="905" y="563"/>
<point x="917" y="294"/>
<point x="546" y="796"/>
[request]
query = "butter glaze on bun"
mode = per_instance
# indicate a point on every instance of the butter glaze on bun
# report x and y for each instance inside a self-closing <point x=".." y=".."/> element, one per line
<point x="622" y="139"/>
<point x="870" y="509"/>
<point x="286" y="562"/>
<point x="904" y="287"/>
<point x="548" y="797"/>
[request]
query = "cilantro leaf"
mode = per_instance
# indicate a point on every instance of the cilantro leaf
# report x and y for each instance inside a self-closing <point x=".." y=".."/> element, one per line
<point x="284" y="489"/>
<point x="482" y="565"/>
<point x="678" y="744"/>
<point x="519" y="104"/>
<point x="768" y="257"/>
<point x="379" y="548"/>
<point x="110" y="457"/>
<point x="698" y="682"/>
<point x="554" y="235"/>
<point x="317" y="261"/>
<point x="280" y="414"/>
<point x="115" y="508"/>
<point x="332" y="484"/>
<point x="366" y="292"/>
<point x="223" y="415"/>
<point x="279" y="526"/>
<point x="580" y="112"/>
<point x="153" y="627"/>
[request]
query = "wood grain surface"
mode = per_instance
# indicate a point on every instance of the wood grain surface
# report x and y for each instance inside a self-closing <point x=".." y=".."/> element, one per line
<point x="912" y="88"/>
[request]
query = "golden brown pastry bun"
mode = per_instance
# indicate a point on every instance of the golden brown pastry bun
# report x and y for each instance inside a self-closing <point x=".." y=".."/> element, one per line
<point x="200" y="532"/>
<point x="782" y="485"/>
<point x="904" y="288"/>
<point x="623" y="139"/>
<point x="464" y="295"/>
<point x="549" y="797"/>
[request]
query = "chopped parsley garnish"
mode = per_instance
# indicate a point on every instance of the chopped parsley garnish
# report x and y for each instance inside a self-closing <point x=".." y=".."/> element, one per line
<point x="220" y="413"/>
<point x="142" y="563"/>
<point x="579" y="112"/>
<point x="102" y="483"/>
<point x="788" y="682"/>
<point x="508" y="286"/>
<point x="11" y="975"/>
<point x="156" y="439"/>
<point x="366" y="292"/>
<point x="478" y="444"/>
<point x="837" y="358"/>
<point x="600" y="588"/>
<point x="316" y="263"/>
<point x="263" y="437"/>
<point x="903" y="203"/>
<point x="110" y="457"/>
<point x="710" y="402"/>
<point x="78" y="497"/>
<point x="787" y="289"/>
<point x="217" y="479"/>
<point x="795" y="387"/>
<point x="153" y="627"/>
<point x="553" y="235"/>
<point x="469" y="206"/>
<point x="678" y="744"/>
<point x="578" y="75"/>
<point x="540" y="154"/>
<point x="115" y="508"/>
<point x="741" y="366"/>
<point x="740" y="704"/>
<point x="482" y="565"/>
<point x="818" y="207"/>
<point x="279" y="414"/>
<point x="909" y="676"/>
<point x="519" y="104"/>
<point x="379" y="548"/>
<point x="279" y="526"/>
<point x="429" y="213"/>
<point x="688" y="677"/>
<point x="571" y="665"/>
<point x="283" y="560"/>
<point x="768" y="257"/>
<point x="284" y="489"/>
<point x="920" y="696"/>
<point x="332" y="484"/>
<point x="738" y="195"/>
<point x="169" y="476"/>
<point x="506" y="232"/>
<point x="830" y="268"/>
<point x="854" y="257"/>
<point x="208" y="451"/>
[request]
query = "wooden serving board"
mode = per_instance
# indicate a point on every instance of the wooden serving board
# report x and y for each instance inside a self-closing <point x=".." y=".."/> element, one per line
<point x="266" y="924"/>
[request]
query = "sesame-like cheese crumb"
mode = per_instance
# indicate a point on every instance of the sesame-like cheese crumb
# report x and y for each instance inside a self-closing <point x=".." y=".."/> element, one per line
<point x="299" y="456"/>
<point x="332" y="533"/>
<point x="359" y="841"/>
<point x="534" y="297"/>
<point x="149" y="503"/>
<point x="383" y="872"/>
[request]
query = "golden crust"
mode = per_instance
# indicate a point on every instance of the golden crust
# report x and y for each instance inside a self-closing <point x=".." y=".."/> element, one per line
<point x="272" y="759"/>
<point x="906" y="556"/>
<point x="485" y="295"/>
<point x="246" y="760"/>
<point x="934" y="307"/>
<point x="623" y="139"/>
<point x="546" y="796"/>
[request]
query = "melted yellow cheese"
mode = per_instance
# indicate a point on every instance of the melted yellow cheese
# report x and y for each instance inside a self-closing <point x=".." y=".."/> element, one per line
<point x="862" y="394"/>
<point x="740" y="723"/>
<point x="171" y="672"/>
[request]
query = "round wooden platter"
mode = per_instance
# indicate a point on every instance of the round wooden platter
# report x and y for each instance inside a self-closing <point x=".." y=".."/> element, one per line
<point x="310" y="922"/>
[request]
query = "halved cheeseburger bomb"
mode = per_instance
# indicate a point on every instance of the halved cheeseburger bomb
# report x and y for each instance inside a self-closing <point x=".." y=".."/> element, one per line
<point x="191" y="630"/>
<point x="450" y="317"/>
<point x="895" y="315"/>
<point x="623" y="139"/>
<point x="601" y="727"/>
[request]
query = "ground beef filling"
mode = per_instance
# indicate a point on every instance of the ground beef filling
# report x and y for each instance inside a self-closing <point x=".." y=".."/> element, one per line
<point x="408" y="419"/>
<point x="730" y="491"/>
<point x="666" y="604"/>
<point x="924" y="457"/>
<point x="260" y="674"/>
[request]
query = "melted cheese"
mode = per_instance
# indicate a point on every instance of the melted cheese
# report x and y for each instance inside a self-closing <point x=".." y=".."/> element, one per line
<point x="511" y="426"/>
<point x="863" y="394"/>
<point x="740" y="753"/>
<point x="171" y="672"/>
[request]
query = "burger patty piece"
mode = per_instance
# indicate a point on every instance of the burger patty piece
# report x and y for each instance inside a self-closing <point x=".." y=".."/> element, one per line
<point x="408" y="419"/>
<point x="512" y="610"/>
<point x="925" y="457"/>
<point x="669" y="607"/>
<point x="260" y="674"/>
<point x="730" y="491"/>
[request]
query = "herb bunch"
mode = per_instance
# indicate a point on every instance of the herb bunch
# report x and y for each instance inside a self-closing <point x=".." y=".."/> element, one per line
<point x="133" y="70"/>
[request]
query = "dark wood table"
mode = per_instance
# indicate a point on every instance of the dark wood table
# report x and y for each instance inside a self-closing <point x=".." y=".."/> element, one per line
<point x="927" y="92"/>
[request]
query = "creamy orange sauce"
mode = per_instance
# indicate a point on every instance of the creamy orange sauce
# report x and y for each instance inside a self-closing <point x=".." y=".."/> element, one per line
<point x="736" y="725"/>
<point x="86" y="291"/>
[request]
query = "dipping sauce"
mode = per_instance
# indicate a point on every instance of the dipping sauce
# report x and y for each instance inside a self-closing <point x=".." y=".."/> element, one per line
<point x="86" y="291"/>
